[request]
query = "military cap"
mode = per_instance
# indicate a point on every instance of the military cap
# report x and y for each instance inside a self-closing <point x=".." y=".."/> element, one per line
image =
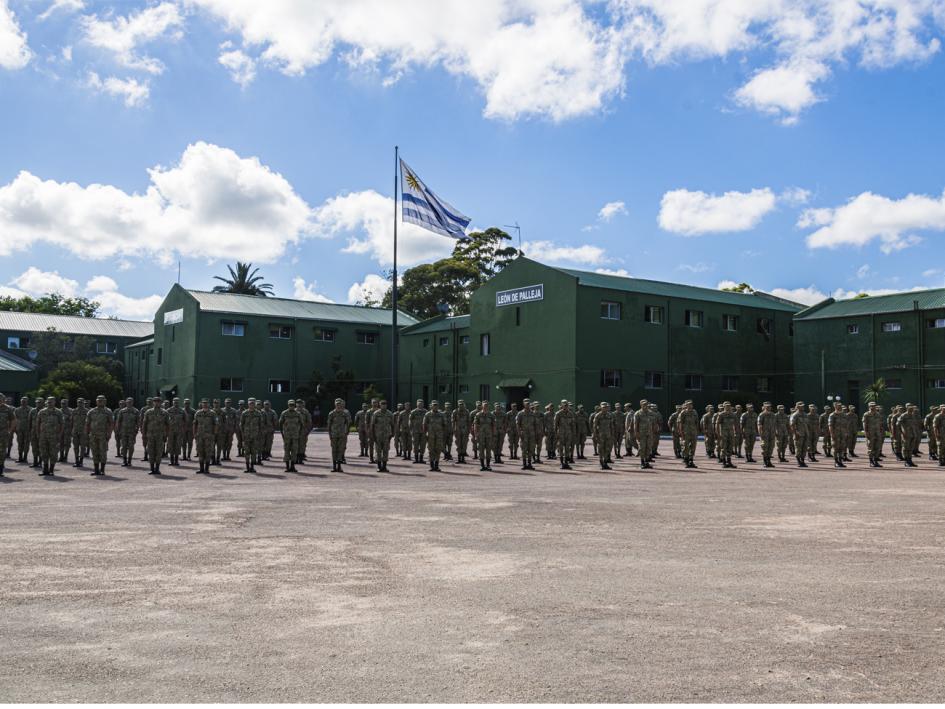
<point x="291" y="402"/>
<point x="434" y="402"/>
<point x="339" y="401"/>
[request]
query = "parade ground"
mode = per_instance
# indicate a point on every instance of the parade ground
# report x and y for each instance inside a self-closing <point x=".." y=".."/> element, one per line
<point x="747" y="585"/>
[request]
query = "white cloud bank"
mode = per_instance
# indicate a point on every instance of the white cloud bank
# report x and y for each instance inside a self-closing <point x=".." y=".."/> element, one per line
<point x="611" y="210"/>
<point x="14" y="52"/>
<point x="372" y="289"/>
<point x="550" y="252"/>
<point x="134" y="93"/>
<point x="305" y="291"/>
<point x="695" y="213"/>
<point x="811" y="295"/>
<point x="122" y="36"/>
<point x="36" y="282"/>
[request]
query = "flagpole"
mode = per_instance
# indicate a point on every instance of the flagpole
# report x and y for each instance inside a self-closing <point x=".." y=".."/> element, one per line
<point x="393" y="299"/>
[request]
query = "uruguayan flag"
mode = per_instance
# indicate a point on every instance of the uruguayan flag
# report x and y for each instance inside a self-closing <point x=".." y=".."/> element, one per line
<point x="421" y="207"/>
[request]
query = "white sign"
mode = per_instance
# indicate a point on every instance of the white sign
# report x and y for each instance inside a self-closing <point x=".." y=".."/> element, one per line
<point x="172" y="317"/>
<point x="515" y="296"/>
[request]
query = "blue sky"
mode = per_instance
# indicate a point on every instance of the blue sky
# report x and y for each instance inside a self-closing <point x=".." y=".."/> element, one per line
<point x="794" y="145"/>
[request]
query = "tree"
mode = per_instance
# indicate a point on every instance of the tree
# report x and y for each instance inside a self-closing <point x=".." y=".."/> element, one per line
<point x="54" y="348"/>
<point x="740" y="288"/>
<point x="371" y="392"/>
<point x="51" y="304"/>
<point x="244" y="281"/>
<point x="877" y="391"/>
<point x="319" y="388"/>
<point x="70" y="380"/>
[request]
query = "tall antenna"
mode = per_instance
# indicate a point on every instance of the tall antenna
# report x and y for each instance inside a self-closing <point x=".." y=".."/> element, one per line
<point x="518" y="229"/>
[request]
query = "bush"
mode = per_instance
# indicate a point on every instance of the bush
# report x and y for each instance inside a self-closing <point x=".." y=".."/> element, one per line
<point x="71" y="380"/>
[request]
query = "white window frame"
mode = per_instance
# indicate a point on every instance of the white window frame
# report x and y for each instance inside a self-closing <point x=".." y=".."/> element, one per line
<point x="693" y="382"/>
<point x="729" y="323"/>
<point x="278" y="389"/>
<point x="649" y="379"/>
<point x="237" y="328"/>
<point x="329" y="331"/>
<point x="763" y="382"/>
<point x="936" y="383"/>
<point x="648" y="314"/>
<point x="892" y="326"/>
<point x="485" y="344"/>
<point x="367" y="337"/>
<point x="283" y="332"/>
<point x="102" y="347"/>
<point x="443" y="340"/>
<point x="853" y="329"/>
<point x="695" y="318"/>
<point x="607" y="308"/>
<point x="731" y="378"/>
<point x="936" y="323"/>
<point x="614" y="375"/>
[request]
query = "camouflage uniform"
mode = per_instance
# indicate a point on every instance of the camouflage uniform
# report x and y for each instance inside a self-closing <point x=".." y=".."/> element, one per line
<point x="800" y="430"/>
<point x="416" y="432"/>
<point x="582" y="429"/>
<point x="675" y="432"/>
<point x="484" y="434"/>
<point x="604" y="433"/>
<point x="749" y="425"/>
<point x="187" y="446"/>
<point x="126" y="432"/>
<point x="938" y="424"/>
<point x="34" y="430"/>
<point x="176" y="425"/>
<point x="219" y="432"/>
<point x="270" y="419"/>
<point x="382" y="430"/>
<point x="511" y="429"/>
<point x="98" y="426"/>
<point x="500" y="428"/>
<point x="339" y="423"/>
<point x="406" y="440"/>
<point x="306" y="431"/>
<point x="156" y="424"/>
<point x="205" y="435"/>
<point x="66" y="431"/>
<point x="782" y="432"/>
<point x="644" y="425"/>
<point x="360" y="420"/>
<point x="80" y="439"/>
<point x="620" y="428"/>
<point x="768" y="431"/>
<point x="291" y="423"/>
<point x="687" y="425"/>
<point x="8" y="423"/>
<point x="873" y="429"/>
<point x="22" y="414"/>
<point x="708" y="431"/>
<point x="824" y="426"/>
<point x="725" y="432"/>
<point x="434" y="431"/>
<point x="50" y="425"/>
<point x="460" y="430"/>
<point x="231" y="422"/>
<point x="549" y="431"/>
<point x="565" y="430"/>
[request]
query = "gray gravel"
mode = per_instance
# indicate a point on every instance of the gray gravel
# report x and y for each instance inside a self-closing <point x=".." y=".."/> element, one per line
<point x="670" y="585"/>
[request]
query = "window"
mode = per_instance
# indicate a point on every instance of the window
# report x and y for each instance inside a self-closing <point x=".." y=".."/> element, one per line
<point x="894" y="384"/>
<point x="485" y="345"/>
<point x="609" y="310"/>
<point x="653" y="314"/>
<point x="18" y="343"/>
<point x="426" y="341"/>
<point x="610" y="378"/>
<point x="518" y="316"/>
<point x="278" y="386"/>
<point x="730" y="323"/>
<point x="231" y="384"/>
<point x="173" y="332"/>
<point x="324" y="335"/>
<point x="729" y="382"/>
<point x="892" y="327"/>
<point x="484" y="392"/>
<point x="464" y="339"/>
<point x="106" y="348"/>
<point x="790" y="329"/>
<point x="937" y="383"/>
<point x="694" y="318"/>
<point x="936" y="322"/>
<point x="160" y="357"/>
<point x="233" y="329"/>
<point x="68" y="345"/>
<point x="693" y="382"/>
<point x="280" y="332"/>
<point x="764" y="385"/>
<point x="853" y="329"/>
<point x="764" y="326"/>
<point x="444" y="341"/>
<point x="463" y="388"/>
<point x="652" y="380"/>
<point x="367" y="338"/>
<point x="444" y="388"/>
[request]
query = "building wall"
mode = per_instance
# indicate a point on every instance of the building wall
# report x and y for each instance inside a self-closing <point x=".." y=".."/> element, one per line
<point x="139" y="360"/>
<point x="120" y="342"/>
<point x="16" y="384"/>
<point x="432" y="370"/>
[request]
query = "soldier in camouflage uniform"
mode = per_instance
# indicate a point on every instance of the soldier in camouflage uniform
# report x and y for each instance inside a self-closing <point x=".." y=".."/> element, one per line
<point x="22" y="414"/>
<point x="306" y="430"/>
<point x="434" y="432"/>
<point x="483" y="428"/>
<point x="590" y="421"/>
<point x="66" y="430"/>
<point x="339" y="422"/>
<point x="460" y="430"/>
<point x="448" y="445"/>
<point x="549" y="431"/>
<point x="416" y="431"/>
<point x="34" y="430"/>
<point x="910" y="424"/>
<point x="749" y="426"/>
<point x="799" y="424"/>
<point x="675" y="432"/>
<point x="126" y="431"/>
<point x="270" y="422"/>
<point x="824" y="428"/>
<point x="708" y="430"/>
<point x="500" y="429"/>
<point x="176" y="424"/>
<point x="50" y="423"/>
<point x="511" y="429"/>
<point x="80" y="441"/>
<point x="539" y="431"/>
<point x="687" y="423"/>
<point x="927" y="425"/>
<point x="767" y="430"/>
<point x="205" y="434"/>
<point x="375" y="405"/>
<point x="156" y="425"/>
<point x="646" y="426"/>
<point x="814" y="425"/>
<point x="382" y="430"/>
<point x="565" y="430"/>
<point x="231" y="422"/>
<point x="853" y="426"/>
<point x="219" y="432"/>
<point x="836" y="431"/>
<point x="360" y="420"/>
<point x="582" y="428"/>
<point x="187" y="444"/>
<point x="938" y="424"/>
<point x="99" y="423"/>
<point x="604" y="434"/>
<point x="620" y="429"/>
<point x="144" y="439"/>
<point x="405" y="437"/>
<point x="873" y="429"/>
<point x="8" y="423"/>
<point x="396" y="433"/>
<point x="472" y="438"/>
<point x="525" y="425"/>
<point x="290" y="424"/>
<point x="240" y="408"/>
<point x="782" y="432"/>
<point x="725" y="433"/>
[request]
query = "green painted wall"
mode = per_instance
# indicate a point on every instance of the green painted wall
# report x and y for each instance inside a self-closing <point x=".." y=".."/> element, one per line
<point x="433" y="364"/>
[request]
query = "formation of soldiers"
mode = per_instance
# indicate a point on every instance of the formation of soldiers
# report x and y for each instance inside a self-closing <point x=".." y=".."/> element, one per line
<point x="175" y="430"/>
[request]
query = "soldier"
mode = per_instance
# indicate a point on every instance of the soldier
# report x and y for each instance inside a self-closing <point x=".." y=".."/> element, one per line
<point x="22" y="414"/>
<point x="582" y="427"/>
<point x="231" y="422"/>
<point x="360" y="420"/>
<point x="894" y="432"/>
<point x="708" y="431"/>
<point x="738" y="430"/>
<point x="499" y="442"/>
<point x="240" y="408"/>
<point x="375" y="405"/>
<point x="645" y="429"/>
<point x="836" y="430"/>
<point x="270" y="421"/>
<point x="397" y="436"/>
<point x="126" y="431"/>
<point x="205" y="434"/>
<point x="549" y="431"/>
<point x="620" y="429"/>
<point x="814" y="432"/>
<point x="767" y="427"/>
<point x="187" y="446"/>
<point x="434" y="431"/>
<point x="687" y="425"/>
<point x="472" y="438"/>
<point x="782" y="433"/>
<point x="675" y="432"/>
<point x="938" y="424"/>
<point x="715" y="428"/>
<point x="749" y="426"/>
<point x="406" y="439"/>
<point x="156" y="426"/>
<point x="590" y="420"/>
<point x="930" y="429"/>
<point x="144" y="439"/>
<point x="823" y="425"/>
<point x="604" y="433"/>
<point x="307" y="422"/>
<point x="382" y="429"/>
<point x="525" y="425"/>
<point x="219" y="434"/>
<point x="80" y="441"/>
<point x="339" y="423"/>
<point x="50" y="423"/>
<point x="416" y="431"/>
<point x="873" y="430"/>
<point x="448" y="443"/>
<point x="799" y="424"/>
<point x="461" y="430"/>
<point x="99" y="423"/>
<point x="539" y="430"/>
<point x="484" y="435"/>
<point x="177" y="423"/>
<point x="511" y="427"/>
<point x="564" y="434"/>
<point x="8" y="423"/>
<point x="853" y="424"/>
<point x="290" y="424"/>
<point x="66" y="430"/>
<point x="910" y="426"/>
<point x="726" y="432"/>
<point x="34" y="430"/>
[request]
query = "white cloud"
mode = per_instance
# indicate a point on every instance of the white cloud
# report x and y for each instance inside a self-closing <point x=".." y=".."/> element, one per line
<point x="303" y="291"/>
<point x="124" y="34"/>
<point x="868" y="217"/>
<point x="794" y="196"/>
<point x="929" y="272"/>
<point x="242" y="66"/>
<point x="811" y="295"/>
<point x="611" y="210"/>
<point x="8" y="292"/>
<point x="33" y="281"/>
<point x="14" y="52"/>
<point x="367" y="218"/>
<point x="67" y="7"/>
<point x="213" y="204"/>
<point x="700" y="267"/>
<point x="550" y="252"/>
<point x="372" y="289"/>
<point x="613" y="272"/>
<point x="783" y="91"/>
<point x="133" y="92"/>
<point x="694" y="213"/>
<point x="864" y="271"/>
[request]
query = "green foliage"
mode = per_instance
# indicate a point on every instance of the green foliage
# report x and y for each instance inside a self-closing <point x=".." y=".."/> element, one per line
<point x="70" y="380"/>
<point x="243" y="281"/>
<point x="876" y="391"/>
<point x="51" y="304"/>
<point x="54" y="348"/>
<point x="860" y="295"/>
<point x="321" y="389"/>
<point x="371" y="392"/>
<point x="740" y="288"/>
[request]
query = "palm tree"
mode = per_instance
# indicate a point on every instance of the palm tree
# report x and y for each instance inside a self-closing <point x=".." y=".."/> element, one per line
<point x="244" y="281"/>
<point x="876" y="391"/>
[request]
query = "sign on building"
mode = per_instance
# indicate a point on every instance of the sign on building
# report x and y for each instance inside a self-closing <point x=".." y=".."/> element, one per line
<point x="526" y="294"/>
<point x="172" y="317"/>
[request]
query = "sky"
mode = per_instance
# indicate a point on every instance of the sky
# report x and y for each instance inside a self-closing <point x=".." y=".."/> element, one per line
<point x="797" y="146"/>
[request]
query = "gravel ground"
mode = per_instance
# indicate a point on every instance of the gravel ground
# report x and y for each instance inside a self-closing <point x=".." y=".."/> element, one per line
<point x="666" y="585"/>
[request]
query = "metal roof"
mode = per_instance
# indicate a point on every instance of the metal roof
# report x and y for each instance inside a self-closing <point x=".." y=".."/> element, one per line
<point x="149" y="341"/>
<point x="440" y="323"/>
<point x="74" y="325"/>
<point x="238" y="304"/>
<point x="12" y="363"/>
<point x="757" y="299"/>
<point x="875" y="305"/>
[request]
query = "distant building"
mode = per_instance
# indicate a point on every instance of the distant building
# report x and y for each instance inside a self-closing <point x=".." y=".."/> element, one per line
<point x="17" y="376"/>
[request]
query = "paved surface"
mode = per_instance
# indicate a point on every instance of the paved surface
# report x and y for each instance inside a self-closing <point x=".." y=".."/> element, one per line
<point x="744" y="585"/>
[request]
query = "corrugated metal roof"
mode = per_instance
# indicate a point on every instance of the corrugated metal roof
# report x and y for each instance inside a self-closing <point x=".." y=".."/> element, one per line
<point x="149" y="341"/>
<point x="679" y="290"/>
<point x="74" y="325"/>
<point x="287" y="308"/>
<point x="438" y="324"/>
<point x="875" y="305"/>
<point x="12" y="363"/>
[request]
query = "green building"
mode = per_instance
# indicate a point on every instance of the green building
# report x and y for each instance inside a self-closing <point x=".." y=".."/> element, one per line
<point x="553" y="333"/>
<point x="841" y="347"/>
<point x="219" y="345"/>
<point x="17" y="376"/>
